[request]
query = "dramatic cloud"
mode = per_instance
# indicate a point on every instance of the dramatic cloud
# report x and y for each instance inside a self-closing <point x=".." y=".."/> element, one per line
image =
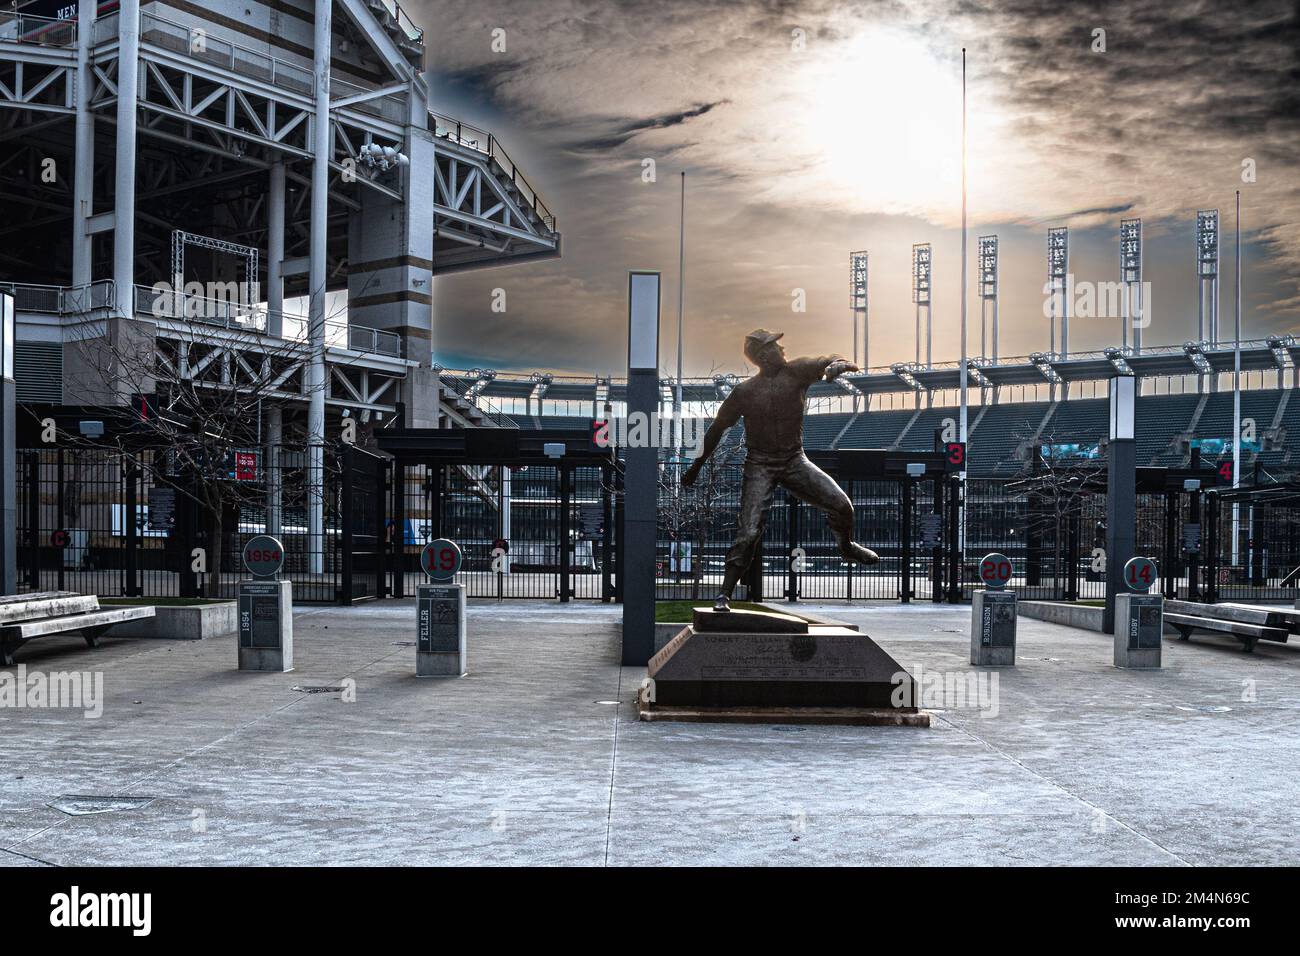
<point x="809" y="129"/>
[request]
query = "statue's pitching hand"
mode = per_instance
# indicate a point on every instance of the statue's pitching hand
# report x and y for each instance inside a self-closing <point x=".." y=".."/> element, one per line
<point x="838" y="368"/>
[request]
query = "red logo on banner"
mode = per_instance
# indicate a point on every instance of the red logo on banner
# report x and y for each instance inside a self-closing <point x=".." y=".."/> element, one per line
<point x="245" y="466"/>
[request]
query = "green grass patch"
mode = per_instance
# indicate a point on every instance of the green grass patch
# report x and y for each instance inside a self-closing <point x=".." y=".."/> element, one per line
<point x="680" y="612"/>
<point x="162" y="601"/>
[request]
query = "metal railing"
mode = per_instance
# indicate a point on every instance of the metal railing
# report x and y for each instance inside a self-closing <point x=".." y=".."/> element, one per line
<point x="164" y="304"/>
<point x="344" y="335"/>
<point x="461" y="385"/>
<point x="38" y="31"/>
<point x="391" y="107"/>
<point x="471" y="137"/>
<point x="217" y="51"/>
<point x="413" y="32"/>
<point x="61" y="300"/>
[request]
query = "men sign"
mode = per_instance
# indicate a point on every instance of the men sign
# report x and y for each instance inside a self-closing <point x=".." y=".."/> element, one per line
<point x="263" y="556"/>
<point x="440" y="560"/>
<point x="1140" y="574"/>
<point x="995" y="571"/>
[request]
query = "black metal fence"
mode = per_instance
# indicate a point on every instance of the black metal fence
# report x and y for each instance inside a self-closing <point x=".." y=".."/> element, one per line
<point x="542" y="531"/>
<point x="123" y="523"/>
<point x="904" y="520"/>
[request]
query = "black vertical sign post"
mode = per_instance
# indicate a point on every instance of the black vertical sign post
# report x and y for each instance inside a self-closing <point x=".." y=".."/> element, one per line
<point x="640" y="484"/>
<point x="265" y="609"/>
<point x="8" y="462"/>
<point x="1121" y="491"/>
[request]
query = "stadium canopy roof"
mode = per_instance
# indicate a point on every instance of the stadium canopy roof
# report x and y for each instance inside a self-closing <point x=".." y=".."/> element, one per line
<point x="508" y="388"/>
<point x="572" y="391"/>
<point x="1169" y="361"/>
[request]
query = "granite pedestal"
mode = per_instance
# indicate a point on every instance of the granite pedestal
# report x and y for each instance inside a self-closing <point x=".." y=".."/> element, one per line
<point x="993" y="628"/>
<point x="440" y="630"/>
<point x="760" y="666"/>
<point x="265" y="620"/>
<point x="1139" y="627"/>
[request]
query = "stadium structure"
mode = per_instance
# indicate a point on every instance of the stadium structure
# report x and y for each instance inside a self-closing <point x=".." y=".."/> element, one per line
<point x="1174" y="419"/>
<point x="259" y="196"/>
<point x="176" y="173"/>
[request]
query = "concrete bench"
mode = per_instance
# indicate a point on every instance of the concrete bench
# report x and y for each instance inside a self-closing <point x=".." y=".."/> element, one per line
<point x="24" y="617"/>
<point x="1247" y="623"/>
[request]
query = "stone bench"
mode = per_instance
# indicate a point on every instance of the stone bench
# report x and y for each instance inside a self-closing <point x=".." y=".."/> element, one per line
<point x="1247" y="623"/>
<point x="25" y="617"/>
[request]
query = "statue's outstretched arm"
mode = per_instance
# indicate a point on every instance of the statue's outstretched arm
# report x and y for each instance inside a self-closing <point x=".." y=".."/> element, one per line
<point x="810" y="368"/>
<point x="728" y="415"/>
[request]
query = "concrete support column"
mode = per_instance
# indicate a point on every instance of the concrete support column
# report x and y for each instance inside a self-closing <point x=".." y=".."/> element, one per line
<point x="314" y="381"/>
<point x="275" y="251"/>
<point x="83" y="179"/>
<point x="128" y="71"/>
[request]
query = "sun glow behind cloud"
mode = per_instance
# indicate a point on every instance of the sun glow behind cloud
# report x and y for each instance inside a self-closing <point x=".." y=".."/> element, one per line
<point x="881" y="122"/>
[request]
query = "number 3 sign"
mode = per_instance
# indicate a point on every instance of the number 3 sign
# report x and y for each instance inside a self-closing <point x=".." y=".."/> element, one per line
<point x="440" y="560"/>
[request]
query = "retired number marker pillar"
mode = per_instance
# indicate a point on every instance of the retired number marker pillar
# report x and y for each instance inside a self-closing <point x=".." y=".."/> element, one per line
<point x="265" y="609"/>
<point x="440" y="613"/>
<point x="1139" y="617"/>
<point x="993" y="615"/>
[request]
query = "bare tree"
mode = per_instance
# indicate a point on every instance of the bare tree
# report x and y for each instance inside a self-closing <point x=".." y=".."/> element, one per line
<point x="1060" y="486"/>
<point x="199" y="400"/>
<point x="690" y="515"/>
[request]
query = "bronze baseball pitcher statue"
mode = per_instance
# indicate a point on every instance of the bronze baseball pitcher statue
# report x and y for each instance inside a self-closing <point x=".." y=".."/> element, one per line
<point x="772" y="405"/>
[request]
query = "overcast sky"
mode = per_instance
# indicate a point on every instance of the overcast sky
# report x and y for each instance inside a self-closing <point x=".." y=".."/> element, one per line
<point x="808" y="129"/>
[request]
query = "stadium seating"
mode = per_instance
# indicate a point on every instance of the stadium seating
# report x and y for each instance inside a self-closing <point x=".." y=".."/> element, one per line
<point x="999" y="434"/>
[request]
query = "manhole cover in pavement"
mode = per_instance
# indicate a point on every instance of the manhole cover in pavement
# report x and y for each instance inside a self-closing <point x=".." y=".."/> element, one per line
<point x="78" y="805"/>
<point x="318" y="689"/>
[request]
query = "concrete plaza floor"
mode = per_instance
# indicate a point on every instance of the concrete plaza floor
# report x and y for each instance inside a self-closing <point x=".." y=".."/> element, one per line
<point x="537" y="757"/>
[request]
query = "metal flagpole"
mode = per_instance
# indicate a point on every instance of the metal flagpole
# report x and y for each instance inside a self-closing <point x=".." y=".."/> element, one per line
<point x="961" y="526"/>
<point x="962" y="427"/>
<point x="1236" y="394"/>
<point x="681" y="309"/>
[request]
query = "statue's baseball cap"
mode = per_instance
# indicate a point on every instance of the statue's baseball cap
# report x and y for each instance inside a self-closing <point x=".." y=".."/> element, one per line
<point x="758" y="338"/>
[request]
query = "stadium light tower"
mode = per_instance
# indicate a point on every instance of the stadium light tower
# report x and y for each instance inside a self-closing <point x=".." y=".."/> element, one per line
<point x="1130" y="278"/>
<point x="1207" y="281"/>
<point x="1207" y="275"/>
<point x="988" y="295"/>
<point x="988" y="291"/>
<point x="858" y="303"/>
<point x="921" y="296"/>
<point x="1058" y="272"/>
